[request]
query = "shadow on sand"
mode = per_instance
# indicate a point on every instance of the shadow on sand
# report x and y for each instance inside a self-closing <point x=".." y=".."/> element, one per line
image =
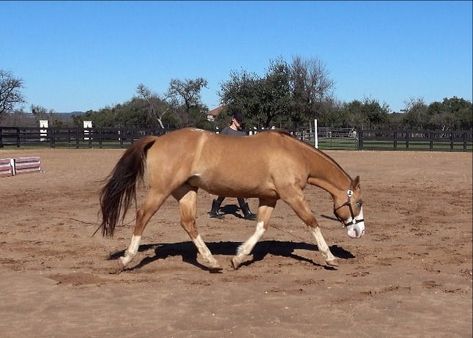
<point x="231" y="209"/>
<point x="188" y="252"/>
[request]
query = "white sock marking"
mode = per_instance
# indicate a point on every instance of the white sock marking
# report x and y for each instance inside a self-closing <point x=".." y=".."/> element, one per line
<point x="321" y="244"/>
<point x="204" y="251"/>
<point x="246" y="247"/>
<point x="134" y="245"/>
<point x="132" y="250"/>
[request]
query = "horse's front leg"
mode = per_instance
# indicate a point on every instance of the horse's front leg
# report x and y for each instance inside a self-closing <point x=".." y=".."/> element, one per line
<point x="187" y="197"/>
<point x="301" y="207"/>
<point x="330" y="259"/>
<point x="264" y="213"/>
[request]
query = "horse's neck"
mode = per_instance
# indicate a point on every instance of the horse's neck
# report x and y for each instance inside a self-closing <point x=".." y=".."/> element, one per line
<point x="327" y="174"/>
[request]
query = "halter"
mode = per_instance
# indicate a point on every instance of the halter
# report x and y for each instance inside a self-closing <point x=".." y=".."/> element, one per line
<point x="348" y="203"/>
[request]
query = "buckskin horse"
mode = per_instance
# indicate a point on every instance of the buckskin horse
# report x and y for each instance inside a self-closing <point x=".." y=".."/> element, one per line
<point x="270" y="165"/>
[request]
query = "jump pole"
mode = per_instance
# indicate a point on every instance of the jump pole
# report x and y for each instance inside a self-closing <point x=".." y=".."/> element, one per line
<point x="7" y="167"/>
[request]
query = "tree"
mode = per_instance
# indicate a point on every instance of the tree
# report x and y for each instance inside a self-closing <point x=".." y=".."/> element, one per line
<point x="156" y="107"/>
<point x="289" y="95"/>
<point x="241" y="93"/>
<point x="334" y="114"/>
<point x="415" y="116"/>
<point x="311" y="87"/>
<point x="265" y="101"/>
<point x="184" y="96"/>
<point x="148" y="109"/>
<point x="40" y="112"/>
<point x="451" y="113"/>
<point x="368" y="113"/>
<point x="376" y="113"/>
<point x="10" y="94"/>
<point x="275" y="95"/>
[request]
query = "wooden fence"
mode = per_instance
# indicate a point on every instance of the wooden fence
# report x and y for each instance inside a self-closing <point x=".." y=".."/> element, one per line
<point x="327" y="138"/>
<point x="415" y="140"/>
<point x="72" y="137"/>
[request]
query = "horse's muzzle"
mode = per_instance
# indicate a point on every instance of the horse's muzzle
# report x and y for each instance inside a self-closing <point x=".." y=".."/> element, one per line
<point x="356" y="230"/>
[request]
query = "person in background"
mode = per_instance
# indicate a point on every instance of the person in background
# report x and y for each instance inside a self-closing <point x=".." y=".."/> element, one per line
<point x="234" y="129"/>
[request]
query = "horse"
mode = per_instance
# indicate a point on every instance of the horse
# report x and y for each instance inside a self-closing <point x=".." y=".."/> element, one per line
<point x="269" y="166"/>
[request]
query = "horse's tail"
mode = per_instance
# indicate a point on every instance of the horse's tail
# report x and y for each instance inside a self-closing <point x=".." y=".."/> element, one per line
<point x="120" y="187"/>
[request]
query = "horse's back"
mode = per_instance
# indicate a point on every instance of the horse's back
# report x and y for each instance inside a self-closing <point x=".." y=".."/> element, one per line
<point x="195" y="144"/>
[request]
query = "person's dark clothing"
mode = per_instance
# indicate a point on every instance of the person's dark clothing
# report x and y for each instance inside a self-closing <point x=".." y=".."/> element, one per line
<point x="245" y="208"/>
<point x="215" y="211"/>
<point x="232" y="132"/>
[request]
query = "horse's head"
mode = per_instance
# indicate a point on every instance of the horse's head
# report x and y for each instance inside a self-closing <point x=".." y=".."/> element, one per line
<point x="348" y="208"/>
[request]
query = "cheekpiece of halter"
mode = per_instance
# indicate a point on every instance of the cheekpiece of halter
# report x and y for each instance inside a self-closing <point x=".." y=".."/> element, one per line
<point x="348" y="203"/>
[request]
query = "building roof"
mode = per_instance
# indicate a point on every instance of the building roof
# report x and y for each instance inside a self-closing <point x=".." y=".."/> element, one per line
<point x="216" y="111"/>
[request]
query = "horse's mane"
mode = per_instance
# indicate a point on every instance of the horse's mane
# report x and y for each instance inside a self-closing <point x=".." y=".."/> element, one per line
<point x="285" y="133"/>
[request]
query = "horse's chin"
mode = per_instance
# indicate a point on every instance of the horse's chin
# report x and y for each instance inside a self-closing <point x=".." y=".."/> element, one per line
<point x="356" y="230"/>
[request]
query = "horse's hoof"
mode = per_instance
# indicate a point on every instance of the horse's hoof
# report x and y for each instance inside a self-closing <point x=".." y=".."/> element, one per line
<point x="215" y="267"/>
<point x="119" y="267"/>
<point x="238" y="260"/>
<point x="235" y="263"/>
<point x="332" y="262"/>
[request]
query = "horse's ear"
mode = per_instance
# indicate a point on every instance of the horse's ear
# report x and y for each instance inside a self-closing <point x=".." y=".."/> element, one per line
<point x="356" y="183"/>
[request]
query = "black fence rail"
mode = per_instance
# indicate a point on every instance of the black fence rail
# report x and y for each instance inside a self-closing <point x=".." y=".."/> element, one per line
<point x="72" y="137"/>
<point x="415" y="140"/>
<point x="327" y="139"/>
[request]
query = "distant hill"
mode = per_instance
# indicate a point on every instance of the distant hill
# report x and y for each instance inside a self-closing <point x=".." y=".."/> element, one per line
<point x="23" y="119"/>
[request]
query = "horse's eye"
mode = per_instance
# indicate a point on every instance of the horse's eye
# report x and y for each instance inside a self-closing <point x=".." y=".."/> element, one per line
<point x="359" y="204"/>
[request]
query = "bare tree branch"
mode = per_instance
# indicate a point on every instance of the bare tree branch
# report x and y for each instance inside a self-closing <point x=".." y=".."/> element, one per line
<point x="156" y="106"/>
<point x="10" y="93"/>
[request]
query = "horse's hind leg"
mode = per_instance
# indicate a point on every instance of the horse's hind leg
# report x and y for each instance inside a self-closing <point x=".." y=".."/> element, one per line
<point x="264" y="213"/>
<point x="298" y="203"/>
<point x="187" y="197"/>
<point x="153" y="201"/>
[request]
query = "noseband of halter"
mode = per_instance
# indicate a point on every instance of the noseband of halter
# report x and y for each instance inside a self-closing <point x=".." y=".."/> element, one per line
<point x="347" y="203"/>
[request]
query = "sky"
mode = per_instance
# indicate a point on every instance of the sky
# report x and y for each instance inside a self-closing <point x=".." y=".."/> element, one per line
<point x="77" y="56"/>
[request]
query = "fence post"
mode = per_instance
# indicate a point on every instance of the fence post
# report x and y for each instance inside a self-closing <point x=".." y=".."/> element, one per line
<point x="395" y="140"/>
<point x="1" y="138"/>
<point x="100" y="137"/>
<point x="52" y="136"/>
<point x="407" y="139"/>
<point x="18" y="138"/>
<point x="360" y="140"/>
<point x="464" y="139"/>
<point x="77" y="137"/>
<point x="451" y="141"/>
<point x="431" y="140"/>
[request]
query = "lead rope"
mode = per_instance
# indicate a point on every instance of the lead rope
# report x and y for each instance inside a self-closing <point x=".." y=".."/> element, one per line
<point x="287" y="232"/>
<point x="295" y="236"/>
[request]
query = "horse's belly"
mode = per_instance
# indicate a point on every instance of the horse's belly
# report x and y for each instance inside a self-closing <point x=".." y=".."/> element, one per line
<point x="232" y="188"/>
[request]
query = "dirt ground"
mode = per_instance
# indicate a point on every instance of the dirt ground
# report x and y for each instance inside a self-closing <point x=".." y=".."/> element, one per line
<point x="409" y="276"/>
